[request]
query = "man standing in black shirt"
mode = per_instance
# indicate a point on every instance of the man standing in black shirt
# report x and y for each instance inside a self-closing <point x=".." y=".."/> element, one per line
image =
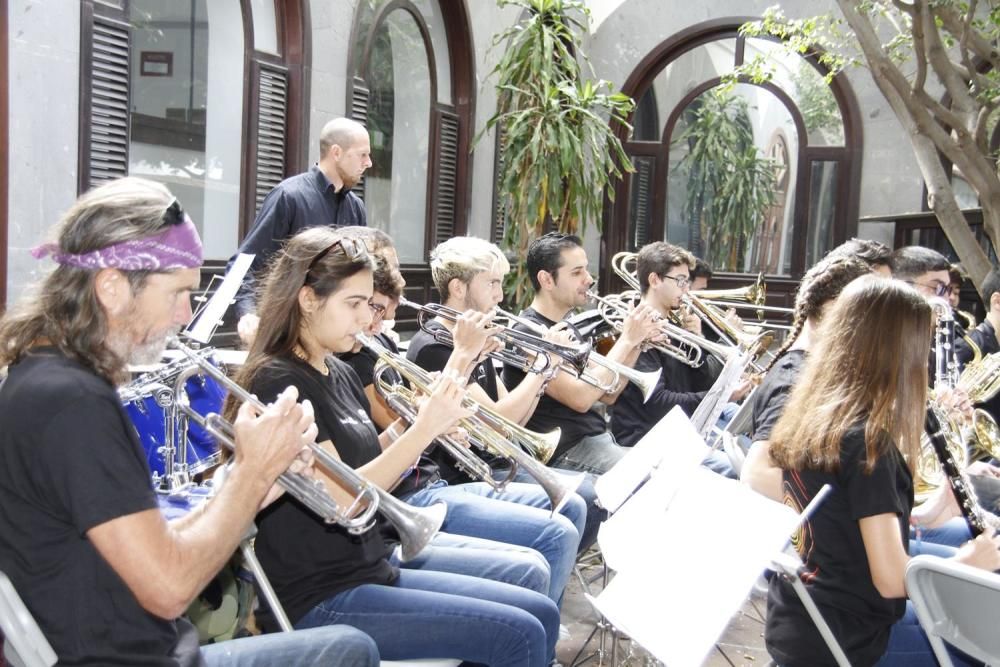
<point x="81" y="535"/>
<point x="320" y="196"/>
<point x="557" y="266"/>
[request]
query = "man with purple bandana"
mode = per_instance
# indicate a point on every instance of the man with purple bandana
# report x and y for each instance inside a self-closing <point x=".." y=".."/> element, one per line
<point x="81" y="536"/>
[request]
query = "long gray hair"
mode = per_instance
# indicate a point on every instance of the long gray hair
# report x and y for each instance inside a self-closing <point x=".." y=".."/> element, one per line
<point x="64" y="309"/>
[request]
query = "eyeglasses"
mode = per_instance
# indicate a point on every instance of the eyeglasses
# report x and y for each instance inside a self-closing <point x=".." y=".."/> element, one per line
<point x="682" y="281"/>
<point x="939" y="288"/>
<point x="378" y="310"/>
<point x="352" y="247"/>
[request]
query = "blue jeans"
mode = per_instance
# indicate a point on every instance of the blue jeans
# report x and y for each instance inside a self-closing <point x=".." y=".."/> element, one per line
<point x="475" y="510"/>
<point x="595" y="513"/>
<point x="595" y="454"/>
<point x="476" y="557"/>
<point x="335" y="646"/>
<point x="952" y="533"/>
<point x="437" y="615"/>
<point x="909" y="647"/>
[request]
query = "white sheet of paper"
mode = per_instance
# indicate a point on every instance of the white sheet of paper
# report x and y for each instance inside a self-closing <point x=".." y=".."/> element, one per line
<point x="671" y="444"/>
<point x="211" y="315"/>
<point x="706" y="546"/>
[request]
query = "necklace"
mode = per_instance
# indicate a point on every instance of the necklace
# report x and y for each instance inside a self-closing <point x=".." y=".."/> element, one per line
<point x="302" y="356"/>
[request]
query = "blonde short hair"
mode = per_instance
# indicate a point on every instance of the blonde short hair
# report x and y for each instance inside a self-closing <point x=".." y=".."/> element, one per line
<point x="463" y="257"/>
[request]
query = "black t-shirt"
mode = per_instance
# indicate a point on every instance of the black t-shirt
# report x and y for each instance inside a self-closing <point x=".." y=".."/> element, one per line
<point x="306" y="559"/>
<point x="363" y="363"/>
<point x="679" y="384"/>
<point x="772" y="394"/>
<point x="550" y="413"/>
<point x="70" y="460"/>
<point x="837" y="572"/>
<point x="425" y="351"/>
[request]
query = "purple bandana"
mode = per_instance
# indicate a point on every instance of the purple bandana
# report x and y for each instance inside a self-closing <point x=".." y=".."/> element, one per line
<point x="176" y="247"/>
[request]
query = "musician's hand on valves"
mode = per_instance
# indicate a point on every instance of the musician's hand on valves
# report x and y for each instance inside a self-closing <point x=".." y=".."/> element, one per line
<point x="733" y="319"/>
<point x="270" y="441"/>
<point x="443" y="408"/>
<point x="640" y="324"/>
<point x="689" y="320"/>
<point x="982" y="552"/>
<point x="474" y="334"/>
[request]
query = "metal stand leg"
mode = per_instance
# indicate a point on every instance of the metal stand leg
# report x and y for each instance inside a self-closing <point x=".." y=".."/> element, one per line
<point x="601" y="630"/>
<point x="246" y="547"/>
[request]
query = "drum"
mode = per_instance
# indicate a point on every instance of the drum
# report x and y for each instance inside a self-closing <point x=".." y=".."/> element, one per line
<point x="147" y="401"/>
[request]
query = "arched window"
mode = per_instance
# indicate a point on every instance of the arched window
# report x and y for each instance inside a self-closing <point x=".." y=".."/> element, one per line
<point x="204" y="96"/>
<point x="807" y="131"/>
<point x="412" y="85"/>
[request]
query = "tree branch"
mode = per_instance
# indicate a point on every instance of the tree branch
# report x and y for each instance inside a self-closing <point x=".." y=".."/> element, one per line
<point x="917" y="30"/>
<point x="983" y="48"/>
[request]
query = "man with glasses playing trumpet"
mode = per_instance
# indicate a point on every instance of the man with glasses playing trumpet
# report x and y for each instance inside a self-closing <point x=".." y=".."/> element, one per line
<point x="81" y="535"/>
<point x="664" y="278"/>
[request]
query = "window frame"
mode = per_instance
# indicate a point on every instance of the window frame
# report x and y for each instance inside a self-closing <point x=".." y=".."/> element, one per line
<point x="848" y="156"/>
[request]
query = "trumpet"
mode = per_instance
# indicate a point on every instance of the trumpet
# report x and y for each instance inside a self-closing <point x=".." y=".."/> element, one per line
<point x="487" y="429"/>
<point x="416" y="526"/>
<point x="688" y="348"/>
<point x="572" y="359"/>
<point x="517" y="343"/>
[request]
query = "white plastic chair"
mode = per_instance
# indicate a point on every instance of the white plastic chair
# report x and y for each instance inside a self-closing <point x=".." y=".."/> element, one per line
<point x="24" y="644"/>
<point x="956" y="603"/>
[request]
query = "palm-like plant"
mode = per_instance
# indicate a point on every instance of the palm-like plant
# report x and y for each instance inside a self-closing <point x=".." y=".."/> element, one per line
<point x="559" y="152"/>
<point x="729" y="185"/>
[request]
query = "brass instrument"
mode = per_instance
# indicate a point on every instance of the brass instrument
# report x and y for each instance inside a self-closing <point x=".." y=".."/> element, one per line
<point x="572" y="359"/>
<point x="984" y="436"/>
<point x="416" y="526"/>
<point x="487" y="430"/>
<point x="750" y="296"/>
<point x="980" y="378"/>
<point x="645" y="381"/>
<point x="517" y="343"/>
<point x="616" y="307"/>
<point x="970" y="319"/>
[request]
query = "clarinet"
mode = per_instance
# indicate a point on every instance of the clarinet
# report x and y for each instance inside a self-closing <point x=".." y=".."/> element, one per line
<point x="967" y="503"/>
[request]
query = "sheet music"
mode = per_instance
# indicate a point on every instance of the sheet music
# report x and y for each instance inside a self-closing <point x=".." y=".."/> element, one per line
<point x="205" y="325"/>
<point x="672" y="444"/>
<point x="700" y="540"/>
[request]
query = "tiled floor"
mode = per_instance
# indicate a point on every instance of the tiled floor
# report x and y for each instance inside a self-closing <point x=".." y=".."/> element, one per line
<point x="742" y="643"/>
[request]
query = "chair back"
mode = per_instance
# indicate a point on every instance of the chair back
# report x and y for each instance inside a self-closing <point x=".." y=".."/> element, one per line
<point x="957" y="604"/>
<point x="24" y="644"/>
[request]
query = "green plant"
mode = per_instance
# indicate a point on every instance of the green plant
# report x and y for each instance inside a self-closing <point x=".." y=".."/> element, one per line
<point x="729" y="184"/>
<point x="559" y="151"/>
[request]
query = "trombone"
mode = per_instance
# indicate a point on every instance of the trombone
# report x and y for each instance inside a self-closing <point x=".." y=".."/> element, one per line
<point x="748" y="297"/>
<point x="487" y="429"/>
<point x="416" y="526"/>
<point x="572" y="359"/>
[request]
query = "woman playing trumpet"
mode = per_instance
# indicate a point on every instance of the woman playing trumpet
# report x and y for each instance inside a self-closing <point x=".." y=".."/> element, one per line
<point x="314" y="302"/>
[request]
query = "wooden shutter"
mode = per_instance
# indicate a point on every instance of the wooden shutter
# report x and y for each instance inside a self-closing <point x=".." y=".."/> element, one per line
<point x="272" y="130"/>
<point x="642" y="200"/>
<point x="104" y="95"/>
<point x="499" y="221"/>
<point x="445" y="175"/>
<point x="359" y="112"/>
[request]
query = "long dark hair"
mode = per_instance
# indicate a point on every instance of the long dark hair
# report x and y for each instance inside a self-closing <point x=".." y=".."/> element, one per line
<point x="870" y="364"/>
<point x="281" y="321"/>
<point x="64" y="308"/>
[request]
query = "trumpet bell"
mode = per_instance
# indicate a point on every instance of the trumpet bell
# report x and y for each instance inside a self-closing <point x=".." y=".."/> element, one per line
<point x="646" y="382"/>
<point x="419" y="527"/>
